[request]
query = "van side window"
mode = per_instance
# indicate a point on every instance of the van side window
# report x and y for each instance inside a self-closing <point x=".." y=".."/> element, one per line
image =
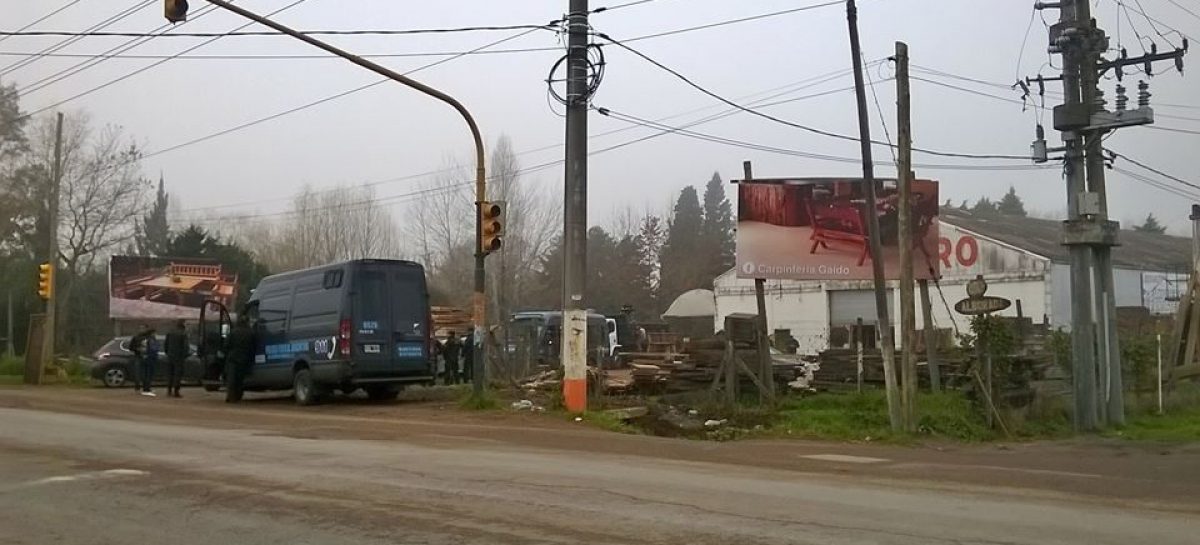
<point x="333" y="279"/>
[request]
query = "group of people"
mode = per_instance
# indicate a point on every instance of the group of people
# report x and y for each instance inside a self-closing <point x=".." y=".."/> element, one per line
<point x="454" y="352"/>
<point x="146" y="348"/>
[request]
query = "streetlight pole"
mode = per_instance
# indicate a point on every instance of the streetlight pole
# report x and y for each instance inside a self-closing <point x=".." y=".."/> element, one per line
<point x="479" y="301"/>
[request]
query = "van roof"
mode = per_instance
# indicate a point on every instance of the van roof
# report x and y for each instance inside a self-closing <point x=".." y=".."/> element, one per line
<point x="341" y="264"/>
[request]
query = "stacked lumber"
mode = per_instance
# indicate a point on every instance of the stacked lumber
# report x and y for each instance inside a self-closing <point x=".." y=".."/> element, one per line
<point x="447" y="319"/>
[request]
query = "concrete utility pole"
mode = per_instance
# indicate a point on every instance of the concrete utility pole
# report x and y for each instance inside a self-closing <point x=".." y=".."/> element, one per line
<point x="479" y="297"/>
<point x="574" y="323"/>
<point x="931" y="348"/>
<point x="904" y="175"/>
<point x="48" y="327"/>
<point x="883" y="322"/>
<point x="1088" y="231"/>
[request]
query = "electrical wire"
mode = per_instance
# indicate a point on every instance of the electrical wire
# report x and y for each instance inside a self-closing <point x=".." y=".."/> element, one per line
<point x="1154" y="170"/>
<point x="34" y="57"/>
<point x="1158" y="185"/>
<point x="364" y="32"/>
<point x="761" y="98"/>
<point x="1172" y="129"/>
<point x="775" y="119"/>
<point x="1186" y="9"/>
<point x="430" y="53"/>
<point x="87" y="64"/>
<point x="324" y="100"/>
<point x="882" y="118"/>
<point x="603" y="9"/>
<point x="44" y="17"/>
<point x="152" y="65"/>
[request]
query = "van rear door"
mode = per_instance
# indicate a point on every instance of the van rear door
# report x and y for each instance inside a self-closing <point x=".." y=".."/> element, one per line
<point x="389" y="315"/>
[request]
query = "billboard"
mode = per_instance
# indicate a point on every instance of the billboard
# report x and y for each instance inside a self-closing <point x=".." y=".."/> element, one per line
<point x="816" y="229"/>
<point x="166" y="288"/>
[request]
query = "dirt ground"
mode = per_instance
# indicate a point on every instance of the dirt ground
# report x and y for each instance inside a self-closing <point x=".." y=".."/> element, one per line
<point x="1105" y="471"/>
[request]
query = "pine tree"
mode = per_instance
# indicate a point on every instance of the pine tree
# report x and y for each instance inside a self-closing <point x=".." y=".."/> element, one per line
<point x="682" y="255"/>
<point x="153" y="231"/>
<point x="1011" y="204"/>
<point x="649" y="245"/>
<point x="1151" y="225"/>
<point x="984" y="207"/>
<point x="716" y="232"/>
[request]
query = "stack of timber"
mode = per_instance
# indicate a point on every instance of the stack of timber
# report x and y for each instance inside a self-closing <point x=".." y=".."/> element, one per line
<point x="447" y="319"/>
<point x="839" y="368"/>
<point x="695" y="365"/>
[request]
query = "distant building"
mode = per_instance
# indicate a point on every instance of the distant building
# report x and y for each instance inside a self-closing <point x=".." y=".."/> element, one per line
<point x="1022" y="259"/>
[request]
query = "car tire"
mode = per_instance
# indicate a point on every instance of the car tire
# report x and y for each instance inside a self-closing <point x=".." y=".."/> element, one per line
<point x="115" y="376"/>
<point x="304" y="390"/>
<point x="383" y="393"/>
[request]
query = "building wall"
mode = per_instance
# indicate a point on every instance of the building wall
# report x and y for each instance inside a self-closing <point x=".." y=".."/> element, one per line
<point x="803" y="306"/>
<point x="1134" y="288"/>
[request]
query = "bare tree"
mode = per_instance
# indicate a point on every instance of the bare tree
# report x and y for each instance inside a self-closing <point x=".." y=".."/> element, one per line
<point x="101" y="195"/>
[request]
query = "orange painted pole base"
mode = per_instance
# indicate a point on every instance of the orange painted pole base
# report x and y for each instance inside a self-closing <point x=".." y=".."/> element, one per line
<point x="575" y="395"/>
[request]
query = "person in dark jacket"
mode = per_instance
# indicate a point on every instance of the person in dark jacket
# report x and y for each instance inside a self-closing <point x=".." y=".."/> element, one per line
<point x="137" y="347"/>
<point x="450" y="352"/>
<point x="468" y="357"/>
<point x="151" y="349"/>
<point x="238" y="358"/>
<point x="178" y="349"/>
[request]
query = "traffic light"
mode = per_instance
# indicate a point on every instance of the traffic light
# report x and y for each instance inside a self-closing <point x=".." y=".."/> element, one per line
<point x="491" y="219"/>
<point x="46" y="281"/>
<point x="175" y="10"/>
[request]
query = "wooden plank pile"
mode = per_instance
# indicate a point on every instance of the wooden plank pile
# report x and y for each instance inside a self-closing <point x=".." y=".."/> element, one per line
<point x="447" y="319"/>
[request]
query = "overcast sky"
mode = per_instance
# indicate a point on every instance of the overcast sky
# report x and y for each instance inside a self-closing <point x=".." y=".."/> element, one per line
<point x="390" y="131"/>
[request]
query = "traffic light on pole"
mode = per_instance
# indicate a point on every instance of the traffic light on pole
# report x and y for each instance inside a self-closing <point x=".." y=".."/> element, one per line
<point x="46" y="281"/>
<point x="491" y="219"/>
<point x="175" y="10"/>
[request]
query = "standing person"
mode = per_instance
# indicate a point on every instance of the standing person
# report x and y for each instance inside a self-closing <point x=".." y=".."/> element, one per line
<point x="238" y="358"/>
<point x="137" y="345"/>
<point x="468" y="350"/>
<point x="149" y="362"/>
<point x="450" y="352"/>
<point x="178" y="349"/>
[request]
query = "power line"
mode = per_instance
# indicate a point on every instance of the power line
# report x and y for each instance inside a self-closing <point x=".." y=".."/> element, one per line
<point x="480" y="50"/>
<point x="1172" y="129"/>
<point x="603" y="9"/>
<point x="797" y="153"/>
<point x="1155" y="170"/>
<point x="401" y="32"/>
<point x="1182" y="7"/>
<point x="87" y="64"/>
<point x="763" y="101"/>
<point x="324" y="100"/>
<point x="1157" y="184"/>
<point x="152" y="65"/>
<point x="427" y="53"/>
<point x="33" y="57"/>
<point x="821" y="132"/>
<point x="44" y="17"/>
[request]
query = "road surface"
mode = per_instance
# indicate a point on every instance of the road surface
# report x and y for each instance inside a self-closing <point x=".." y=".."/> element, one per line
<point x="109" y="468"/>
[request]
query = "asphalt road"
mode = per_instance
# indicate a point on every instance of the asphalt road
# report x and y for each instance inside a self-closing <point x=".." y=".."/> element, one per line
<point x="76" y="479"/>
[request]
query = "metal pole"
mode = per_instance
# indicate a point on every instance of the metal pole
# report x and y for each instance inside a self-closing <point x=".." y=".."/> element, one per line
<point x="931" y="353"/>
<point x="48" y="327"/>
<point x="766" y="368"/>
<point x="574" y="330"/>
<point x="876" y="247"/>
<point x="1083" y="360"/>
<point x="479" y="299"/>
<point x="904" y="175"/>
<point x="1160" y="375"/>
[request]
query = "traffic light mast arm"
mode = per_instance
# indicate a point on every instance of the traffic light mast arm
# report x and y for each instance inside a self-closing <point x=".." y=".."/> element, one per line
<point x="478" y="297"/>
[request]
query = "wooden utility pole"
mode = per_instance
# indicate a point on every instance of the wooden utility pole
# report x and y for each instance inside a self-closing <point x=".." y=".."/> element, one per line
<point x="908" y="319"/>
<point x="766" y="369"/>
<point x="48" y="328"/>
<point x="876" y="247"/>
<point x="931" y="353"/>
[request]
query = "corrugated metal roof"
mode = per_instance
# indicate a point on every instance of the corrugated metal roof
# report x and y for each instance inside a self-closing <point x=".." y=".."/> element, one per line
<point x="1140" y="251"/>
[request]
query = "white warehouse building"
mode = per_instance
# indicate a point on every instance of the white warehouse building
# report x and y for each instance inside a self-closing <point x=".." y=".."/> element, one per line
<point x="1022" y="259"/>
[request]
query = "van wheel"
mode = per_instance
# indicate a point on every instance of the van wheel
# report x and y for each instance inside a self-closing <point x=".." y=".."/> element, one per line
<point x="303" y="388"/>
<point x="383" y="393"/>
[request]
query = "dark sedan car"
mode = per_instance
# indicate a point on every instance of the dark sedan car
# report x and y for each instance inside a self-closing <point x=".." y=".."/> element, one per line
<point x="113" y="365"/>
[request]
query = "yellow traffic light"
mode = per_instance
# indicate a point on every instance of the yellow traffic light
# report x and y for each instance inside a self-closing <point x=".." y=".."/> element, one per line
<point x="175" y="10"/>
<point x="491" y="221"/>
<point x="46" y="281"/>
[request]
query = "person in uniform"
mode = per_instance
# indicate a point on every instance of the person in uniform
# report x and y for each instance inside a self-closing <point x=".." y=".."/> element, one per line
<point x="450" y="352"/>
<point x="238" y="358"/>
<point x="178" y="349"/>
